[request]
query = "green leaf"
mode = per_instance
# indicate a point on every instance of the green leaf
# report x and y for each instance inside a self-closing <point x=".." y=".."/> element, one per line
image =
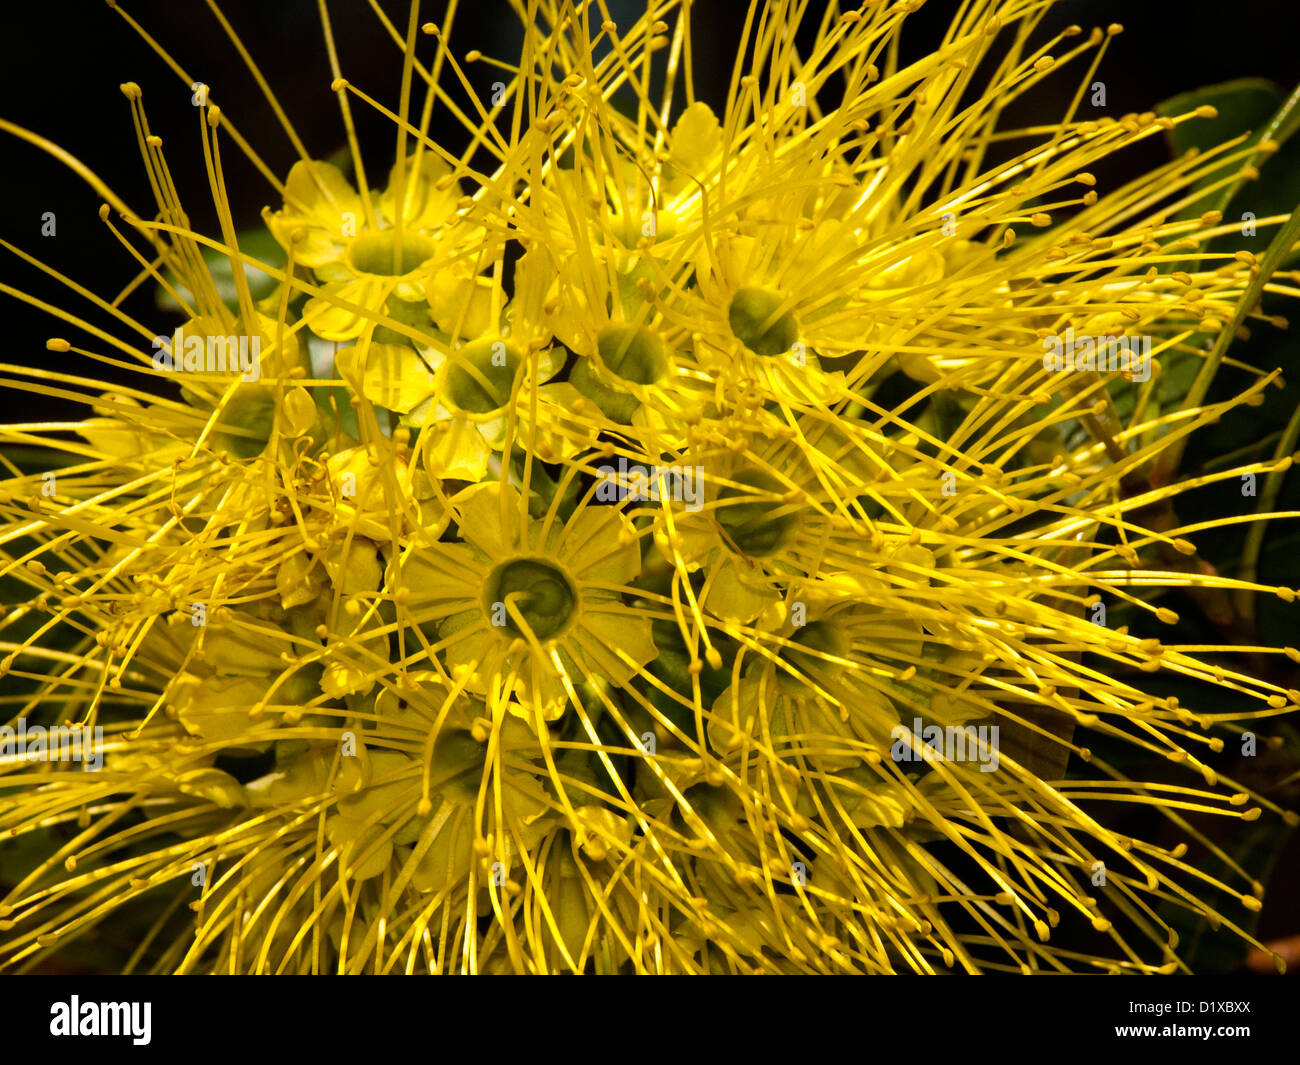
<point x="1268" y="264"/>
<point x="1263" y="109"/>
<point x="257" y="243"/>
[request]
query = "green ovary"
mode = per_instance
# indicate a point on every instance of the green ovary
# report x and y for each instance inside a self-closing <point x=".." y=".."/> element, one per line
<point x="633" y="353"/>
<point x="824" y="637"/>
<point x="756" y="324"/>
<point x="376" y="253"/>
<point x="541" y="593"/>
<point x="759" y="527"/>
<point x="484" y="373"/>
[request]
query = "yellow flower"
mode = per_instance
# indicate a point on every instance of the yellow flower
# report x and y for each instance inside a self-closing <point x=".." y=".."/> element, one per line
<point x="533" y="604"/>
<point x="325" y="222"/>
<point x="360" y="253"/>
<point x="383" y="650"/>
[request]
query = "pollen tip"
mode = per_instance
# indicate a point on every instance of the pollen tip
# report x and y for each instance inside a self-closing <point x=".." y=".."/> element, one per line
<point x="130" y="90"/>
<point x="473" y="55"/>
<point x="1206" y="111"/>
<point x="338" y="84"/>
<point x="57" y="344"/>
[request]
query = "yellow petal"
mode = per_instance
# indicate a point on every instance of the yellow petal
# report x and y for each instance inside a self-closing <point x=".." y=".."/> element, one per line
<point x="297" y="581"/>
<point x="615" y="642"/>
<point x="327" y="318"/>
<point x="427" y="204"/>
<point x="456" y="449"/>
<point x="481" y="517"/>
<point x="478" y="651"/>
<point x="446" y="575"/>
<point x="321" y="208"/>
<point x="389" y="768"/>
<point x="459" y="303"/>
<point x="217" y="708"/>
<point x="212" y="785"/>
<point x="313" y="246"/>
<point x="732" y="598"/>
<point x="448" y="859"/>
<point x="541" y="690"/>
<point x="695" y="139"/>
<point x="355" y="843"/>
<point x="318" y="191"/>
<point x="599" y="545"/>
<point x="394" y="377"/>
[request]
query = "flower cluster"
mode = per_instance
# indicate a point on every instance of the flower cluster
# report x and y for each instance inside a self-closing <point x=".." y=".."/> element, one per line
<point x="391" y="681"/>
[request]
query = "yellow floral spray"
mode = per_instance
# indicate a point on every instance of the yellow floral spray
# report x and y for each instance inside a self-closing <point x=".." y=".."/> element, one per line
<point x="656" y="539"/>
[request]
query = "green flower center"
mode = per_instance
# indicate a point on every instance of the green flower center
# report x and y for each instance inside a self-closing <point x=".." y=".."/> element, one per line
<point x="246" y="421"/>
<point x="616" y="405"/>
<point x="760" y="526"/>
<point x="633" y="353"/>
<point x="459" y="758"/>
<point x="822" y="636"/>
<point x="541" y="593"/>
<point x="756" y="323"/>
<point x="482" y="376"/>
<point x="376" y="253"/>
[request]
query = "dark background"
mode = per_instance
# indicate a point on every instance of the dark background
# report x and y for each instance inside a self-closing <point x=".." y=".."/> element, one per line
<point x="61" y="62"/>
